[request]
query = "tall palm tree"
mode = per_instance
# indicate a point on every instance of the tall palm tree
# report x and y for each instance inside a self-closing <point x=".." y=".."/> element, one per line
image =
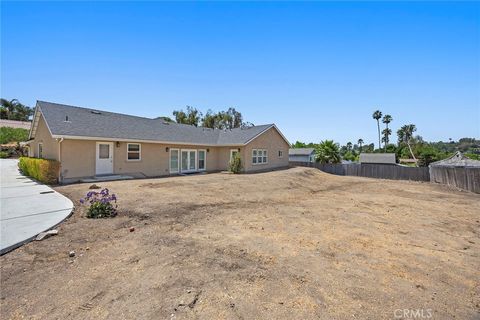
<point x="387" y="119"/>
<point x="405" y="134"/>
<point x="327" y="152"/>
<point x="360" y="143"/>
<point x="377" y="115"/>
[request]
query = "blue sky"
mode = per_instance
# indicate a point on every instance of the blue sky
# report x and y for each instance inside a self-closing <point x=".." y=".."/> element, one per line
<point x="318" y="70"/>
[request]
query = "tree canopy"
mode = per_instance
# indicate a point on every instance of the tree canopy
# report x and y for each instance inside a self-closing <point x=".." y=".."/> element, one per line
<point x="14" y="110"/>
<point x="229" y="119"/>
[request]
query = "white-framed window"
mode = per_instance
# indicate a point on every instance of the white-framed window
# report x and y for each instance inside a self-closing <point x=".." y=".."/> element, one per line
<point x="40" y="150"/>
<point x="202" y="159"/>
<point x="174" y="160"/>
<point x="259" y="156"/>
<point x="134" y="151"/>
<point x="280" y="153"/>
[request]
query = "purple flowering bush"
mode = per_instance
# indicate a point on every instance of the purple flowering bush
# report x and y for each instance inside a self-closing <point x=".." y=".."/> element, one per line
<point x="102" y="204"/>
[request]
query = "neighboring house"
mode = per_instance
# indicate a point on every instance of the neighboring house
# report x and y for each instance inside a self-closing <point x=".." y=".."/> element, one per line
<point x="15" y="124"/>
<point x="89" y="142"/>
<point x="458" y="160"/>
<point x="301" y="154"/>
<point x="377" y="158"/>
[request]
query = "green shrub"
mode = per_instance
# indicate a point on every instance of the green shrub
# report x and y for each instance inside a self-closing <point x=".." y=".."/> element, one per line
<point x="4" y="155"/>
<point x="8" y="134"/>
<point x="43" y="170"/>
<point x="235" y="165"/>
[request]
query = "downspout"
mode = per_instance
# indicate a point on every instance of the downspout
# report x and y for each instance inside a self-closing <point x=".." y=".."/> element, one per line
<point x="60" y="177"/>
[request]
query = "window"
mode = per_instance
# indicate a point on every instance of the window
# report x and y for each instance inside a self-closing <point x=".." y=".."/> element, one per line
<point x="280" y="153"/>
<point x="133" y="151"/>
<point x="259" y="156"/>
<point x="40" y="150"/>
<point x="201" y="159"/>
<point x="174" y="160"/>
<point x="103" y="151"/>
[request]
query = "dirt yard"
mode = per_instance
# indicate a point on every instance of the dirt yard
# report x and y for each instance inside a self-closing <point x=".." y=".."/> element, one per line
<point x="292" y="244"/>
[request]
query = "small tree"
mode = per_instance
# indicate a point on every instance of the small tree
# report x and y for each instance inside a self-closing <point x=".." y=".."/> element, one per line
<point x="235" y="164"/>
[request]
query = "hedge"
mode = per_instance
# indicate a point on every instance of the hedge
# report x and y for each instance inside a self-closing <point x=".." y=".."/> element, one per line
<point x="43" y="170"/>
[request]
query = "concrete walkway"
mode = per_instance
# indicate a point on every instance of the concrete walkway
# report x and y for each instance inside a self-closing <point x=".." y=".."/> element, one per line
<point x="26" y="207"/>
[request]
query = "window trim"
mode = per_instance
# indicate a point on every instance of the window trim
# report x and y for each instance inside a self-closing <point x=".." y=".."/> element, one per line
<point x="40" y="146"/>
<point x="170" y="160"/>
<point x="139" y="152"/>
<point x="258" y="156"/>
<point x="204" y="160"/>
<point x="280" y="153"/>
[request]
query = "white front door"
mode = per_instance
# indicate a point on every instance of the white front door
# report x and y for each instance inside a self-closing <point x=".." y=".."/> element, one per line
<point x="104" y="161"/>
<point x="188" y="160"/>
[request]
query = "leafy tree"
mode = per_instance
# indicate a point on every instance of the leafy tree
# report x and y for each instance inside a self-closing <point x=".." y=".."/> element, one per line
<point x="327" y="152"/>
<point x="299" y="144"/>
<point x="191" y="117"/>
<point x="349" y="146"/>
<point x="14" y="110"/>
<point x="350" y="156"/>
<point x="180" y="116"/>
<point x="377" y="115"/>
<point x="229" y="119"/>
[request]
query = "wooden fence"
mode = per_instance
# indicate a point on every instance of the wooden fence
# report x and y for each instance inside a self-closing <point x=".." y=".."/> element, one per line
<point x="379" y="171"/>
<point x="461" y="177"/>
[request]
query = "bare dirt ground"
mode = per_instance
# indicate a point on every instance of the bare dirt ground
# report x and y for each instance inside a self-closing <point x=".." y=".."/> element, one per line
<point x="292" y="244"/>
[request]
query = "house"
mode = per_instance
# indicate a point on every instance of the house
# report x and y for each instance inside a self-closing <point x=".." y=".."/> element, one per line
<point x="301" y="154"/>
<point x="90" y="142"/>
<point x="377" y="158"/>
<point x="457" y="160"/>
<point x="458" y="171"/>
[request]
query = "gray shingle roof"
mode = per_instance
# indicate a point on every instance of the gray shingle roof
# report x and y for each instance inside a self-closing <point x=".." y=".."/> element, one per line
<point x="457" y="160"/>
<point x="87" y="122"/>
<point x="388" y="158"/>
<point x="300" y="151"/>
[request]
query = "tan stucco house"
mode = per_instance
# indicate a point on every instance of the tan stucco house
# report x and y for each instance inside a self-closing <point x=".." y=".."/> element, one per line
<point x="90" y="142"/>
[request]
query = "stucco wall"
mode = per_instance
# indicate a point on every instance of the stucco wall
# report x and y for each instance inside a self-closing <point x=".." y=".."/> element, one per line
<point x="50" y="145"/>
<point x="155" y="159"/>
<point x="78" y="157"/>
<point x="273" y="142"/>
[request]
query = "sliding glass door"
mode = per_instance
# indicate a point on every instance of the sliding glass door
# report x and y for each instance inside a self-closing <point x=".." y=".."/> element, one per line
<point x="187" y="160"/>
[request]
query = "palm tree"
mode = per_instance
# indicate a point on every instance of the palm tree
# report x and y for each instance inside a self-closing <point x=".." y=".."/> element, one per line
<point x="387" y="119"/>
<point x="14" y="110"/>
<point x="385" y="139"/>
<point x="360" y="143"/>
<point x="327" y="152"/>
<point x="405" y="134"/>
<point x="377" y="115"/>
<point x="349" y="146"/>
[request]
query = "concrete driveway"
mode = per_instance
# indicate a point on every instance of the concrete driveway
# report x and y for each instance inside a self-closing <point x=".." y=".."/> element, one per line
<point x="26" y="207"/>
